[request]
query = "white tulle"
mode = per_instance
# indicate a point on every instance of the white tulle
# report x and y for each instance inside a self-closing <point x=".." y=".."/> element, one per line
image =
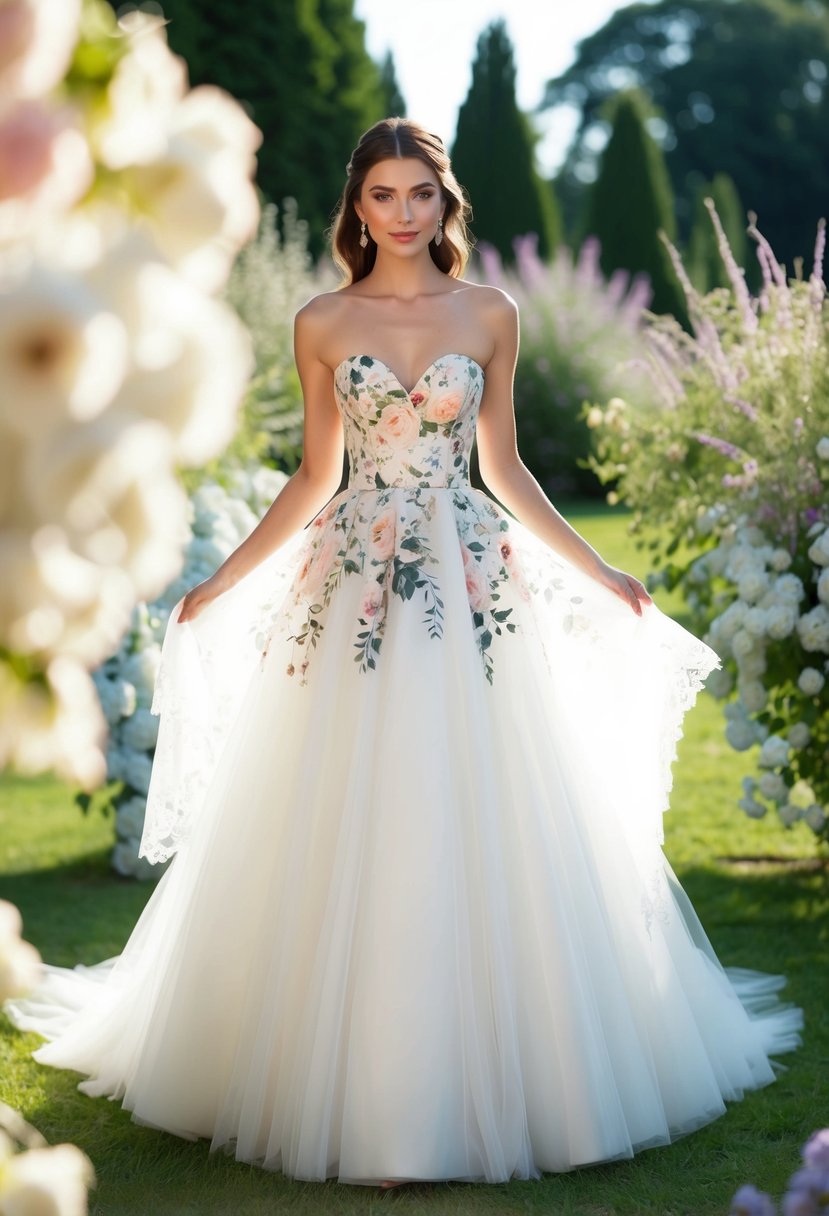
<point x="419" y="923"/>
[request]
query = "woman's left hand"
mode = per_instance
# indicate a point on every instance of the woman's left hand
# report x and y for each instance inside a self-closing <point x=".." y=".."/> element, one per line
<point x="628" y="588"/>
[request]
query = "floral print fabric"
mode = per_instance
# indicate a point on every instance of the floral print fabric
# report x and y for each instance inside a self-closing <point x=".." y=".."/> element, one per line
<point x="405" y="449"/>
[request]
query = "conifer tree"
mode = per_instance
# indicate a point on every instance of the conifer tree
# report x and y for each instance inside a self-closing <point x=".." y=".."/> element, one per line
<point x="302" y="69"/>
<point x="703" y="261"/>
<point x="393" y="100"/>
<point x="631" y="200"/>
<point x="493" y="155"/>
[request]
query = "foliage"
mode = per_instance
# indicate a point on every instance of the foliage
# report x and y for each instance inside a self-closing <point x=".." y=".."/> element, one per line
<point x="302" y="68"/>
<point x="741" y="87"/>
<point x="494" y="145"/>
<point x="394" y="105"/>
<point x="731" y="471"/>
<point x="579" y="337"/>
<point x="631" y="202"/>
<point x="705" y="266"/>
<point x="270" y="281"/>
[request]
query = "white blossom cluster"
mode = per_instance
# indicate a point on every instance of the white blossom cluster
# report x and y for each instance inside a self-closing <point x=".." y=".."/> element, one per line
<point x="768" y="604"/>
<point x="117" y="362"/>
<point x="38" y="1179"/>
<point x="220" y="517"/>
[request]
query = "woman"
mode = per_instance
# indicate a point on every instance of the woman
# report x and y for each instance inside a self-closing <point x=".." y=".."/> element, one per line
<point x="414" y="758"/>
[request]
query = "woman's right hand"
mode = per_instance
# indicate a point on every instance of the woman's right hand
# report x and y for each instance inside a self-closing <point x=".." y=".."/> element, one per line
<point x="200" y="596"/>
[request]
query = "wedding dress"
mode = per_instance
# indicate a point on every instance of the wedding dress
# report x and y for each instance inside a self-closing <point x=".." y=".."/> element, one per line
<point x="419" y="923"/>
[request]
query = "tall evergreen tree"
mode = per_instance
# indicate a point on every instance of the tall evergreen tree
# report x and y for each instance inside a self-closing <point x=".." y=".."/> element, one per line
<point x="703" y="261"/>
<point x="494" y="157"/>
<point x="631" y="200"/>
<point x="395" y="105"/>
<point x="302" y="69"/>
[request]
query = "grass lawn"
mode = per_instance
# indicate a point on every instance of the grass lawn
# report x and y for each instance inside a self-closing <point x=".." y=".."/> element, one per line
<point x="757" y="887"/>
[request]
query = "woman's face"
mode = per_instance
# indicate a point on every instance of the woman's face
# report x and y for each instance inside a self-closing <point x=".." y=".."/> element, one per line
<point x="401" y="204"/>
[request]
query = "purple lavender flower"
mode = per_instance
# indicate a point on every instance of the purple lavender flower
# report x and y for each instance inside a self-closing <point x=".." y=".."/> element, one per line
<point x="815" y="1151"/>
<point x="808" y="1193"/>
<point x="748" y="1201"/>
<point x="719" y="445"/>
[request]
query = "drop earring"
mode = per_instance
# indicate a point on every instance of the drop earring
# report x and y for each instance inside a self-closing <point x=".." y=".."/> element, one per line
<point x="363" y="237"/>
<point x="439" y="233"/>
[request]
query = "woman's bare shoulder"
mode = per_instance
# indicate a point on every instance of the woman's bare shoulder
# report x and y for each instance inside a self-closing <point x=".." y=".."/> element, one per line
<point x="492" y="301"/>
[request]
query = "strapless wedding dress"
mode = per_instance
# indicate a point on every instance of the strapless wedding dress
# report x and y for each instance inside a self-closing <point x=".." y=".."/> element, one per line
<point x="419" y="923"/>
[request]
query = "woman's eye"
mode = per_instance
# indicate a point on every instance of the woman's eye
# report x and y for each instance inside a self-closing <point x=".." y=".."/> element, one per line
<point x="424" y="194"/>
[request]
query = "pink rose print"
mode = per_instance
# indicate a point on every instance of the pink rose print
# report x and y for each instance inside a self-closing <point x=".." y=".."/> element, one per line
<point x="477" y="589"/>
<point x="398" y="426"/>
<point x="444" y="409"/>
<point x="382" y="537"/>
<point x="419" y="397"/>
<point x="316" y="566"/>
<point x="372" y="599"/>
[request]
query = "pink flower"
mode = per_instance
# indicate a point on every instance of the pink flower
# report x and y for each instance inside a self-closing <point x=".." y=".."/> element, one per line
<point x="505" y="549"/>
<point x="372" y="599"/>
<point x="317" y="565"/>
<point x="398" y="425"/>
<point x="477" y="589"/>
<point x="419" y="397"/>
<point x="382" y="536"/>
<point x="444" y="409"/>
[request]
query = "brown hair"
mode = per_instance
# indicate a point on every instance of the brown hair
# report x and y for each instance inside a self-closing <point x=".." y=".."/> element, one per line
<point x="390" y="139"/>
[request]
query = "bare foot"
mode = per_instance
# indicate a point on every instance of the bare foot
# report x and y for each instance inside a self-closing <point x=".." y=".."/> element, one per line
<point x="387" y="1185"/>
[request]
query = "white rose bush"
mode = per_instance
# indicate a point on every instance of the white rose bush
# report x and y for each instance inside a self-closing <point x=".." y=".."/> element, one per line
<point x="730" y="492"/>
<point x="124" y="199"/>
<point x="34" y="1178"/>
<point x="220" y="517"/>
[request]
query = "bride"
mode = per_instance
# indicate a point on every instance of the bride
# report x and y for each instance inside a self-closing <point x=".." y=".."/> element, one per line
<point x="415" y="747"/>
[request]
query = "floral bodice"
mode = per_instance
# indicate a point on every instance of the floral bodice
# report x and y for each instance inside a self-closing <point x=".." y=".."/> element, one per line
<point x="420" y="438"/>
<point x="409" y="465"/>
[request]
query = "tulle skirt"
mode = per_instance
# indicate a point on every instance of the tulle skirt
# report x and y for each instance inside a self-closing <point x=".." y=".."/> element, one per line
<point x="420" y="924"/>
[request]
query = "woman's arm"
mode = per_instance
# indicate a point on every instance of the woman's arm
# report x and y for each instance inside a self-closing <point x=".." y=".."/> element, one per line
<point x="510" y="480"/>
<point x="310" y="487"/>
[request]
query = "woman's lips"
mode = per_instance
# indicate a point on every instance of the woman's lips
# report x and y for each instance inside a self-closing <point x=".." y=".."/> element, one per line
<point x="404" y="237"/>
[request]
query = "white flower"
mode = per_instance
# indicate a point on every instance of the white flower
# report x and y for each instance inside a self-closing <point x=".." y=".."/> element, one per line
<point x="773" y="787"/>
<point x="129" y="818"/>
<point x="822" y="448"/>
<point x="46" y="1182"/>
<point x="61" y="352"/>
<point x="751" y="585"/>
<point x="823" y="585"/>
<point x="45" y="167"/>
<point x="55" y="725"/>
<point x="774" y="753"/>
<point x="810" y="681"/>
<point x="729" y="621"/>
<point x="719" y="683"/>
<point x="146" y="88"/>
<point x="815" y="816"/>
<point x="788" y="589"/>
<point x="754" y="810"/>
<point x="819" y="549"/>
<point x="140" y="732"/>
<point x="37" y="38"/>
<point x="20" y="966"/>
<point x="813" y="629"/>
<point x="191" y="357"/>
<point x="799" y="735"/>
<point x="780" y="560"/>
<point x="789" y="814"/>
<point x="781" y="620"/>
<point x="137" y="771"/>
<point x="756" y="621"/>
<point x="743" y="643"/>
<point x="740" y="734"/>
<point x="749" y="786"/>
<point x="753" y="696"/>
<point x="198" y="195"/>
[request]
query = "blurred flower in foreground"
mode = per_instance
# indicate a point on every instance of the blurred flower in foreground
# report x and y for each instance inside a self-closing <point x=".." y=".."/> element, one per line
<point x="19" y="961"/>
<point x="124" y="199"/>
<point x="807" y="1193"/>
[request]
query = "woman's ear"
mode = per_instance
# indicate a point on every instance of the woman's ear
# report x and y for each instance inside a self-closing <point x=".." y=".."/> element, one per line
<point x="360" y="215"/>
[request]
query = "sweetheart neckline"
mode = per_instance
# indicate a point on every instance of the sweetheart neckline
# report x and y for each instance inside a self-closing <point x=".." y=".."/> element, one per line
<point x="453" y="354"/>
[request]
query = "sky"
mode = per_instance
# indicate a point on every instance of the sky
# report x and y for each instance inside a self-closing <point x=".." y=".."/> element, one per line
<point x="433" y="44"/>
